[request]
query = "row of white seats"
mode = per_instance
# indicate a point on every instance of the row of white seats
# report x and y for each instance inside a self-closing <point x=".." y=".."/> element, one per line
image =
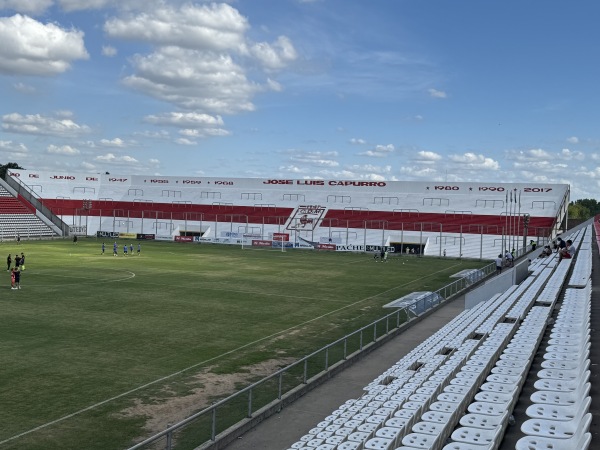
<point x="484" y="425"/>
<point x="559" y="415"/>
<point x="433" y="372"/>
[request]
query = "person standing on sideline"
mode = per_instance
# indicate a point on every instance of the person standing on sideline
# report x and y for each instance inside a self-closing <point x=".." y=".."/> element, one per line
<point x="139" y="248"/>
<point x="499" y="264"/>
<point x="509" y="258"/>
<point x="18" y="239"/>
<point x="8" y="262"/>
<point x="75" y="240"/>
<point x="17" y="273"/>
<point x="103" y="248"/>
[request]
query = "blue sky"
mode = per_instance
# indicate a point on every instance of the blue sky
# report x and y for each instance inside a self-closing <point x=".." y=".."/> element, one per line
<point x="373" y="90"/>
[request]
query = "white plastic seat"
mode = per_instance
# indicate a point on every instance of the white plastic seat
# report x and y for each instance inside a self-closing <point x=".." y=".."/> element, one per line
<point x="561" y="398"/>
<point x="483" y="421"/>
<point x="546" y="384"/>
<point x="379" y="443"/>
<point x="577" y="442"/>
<point x="436" y="417"/>
<point x="432" y="428"/>
<point x="349" y="445"/>
<point x="418" y="440"/>
<point x="494" y="397"/>
<point x="488" y="409"/>
<point x="555" y="429"/>
<point x="557" y="412"/>
<point x="476" y="436"/>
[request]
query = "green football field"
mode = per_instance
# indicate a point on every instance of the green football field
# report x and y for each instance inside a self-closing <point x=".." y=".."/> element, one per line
<point x="99" y="352"/>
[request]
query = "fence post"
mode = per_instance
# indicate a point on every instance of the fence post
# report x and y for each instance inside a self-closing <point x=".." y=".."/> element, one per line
<point x="250" y="403"/>
<point x="326" y="358"/>
<point x="213" y="431"/>
<point x="305" y="370"/>
<point x="280" y="385"/>
<point x="345" y="347"/>
<point x="169" y="438"/>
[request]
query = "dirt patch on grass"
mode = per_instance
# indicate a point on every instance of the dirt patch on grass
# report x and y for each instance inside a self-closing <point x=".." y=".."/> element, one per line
<point x="168" y="410"/>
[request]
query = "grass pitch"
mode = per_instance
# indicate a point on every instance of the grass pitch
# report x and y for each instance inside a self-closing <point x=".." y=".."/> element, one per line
<point x="93" y="346"/>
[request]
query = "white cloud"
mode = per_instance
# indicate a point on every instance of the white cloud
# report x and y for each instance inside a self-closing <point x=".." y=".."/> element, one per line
<point x="315" y="159"/>
<point x="111" y="158"/>
<point x="116" y="142"/>
<point x="427" y="157"/>
<point x="573" y="140"/>
<point x="42" y="125"/>
<point x="357" y="141"/>
<point x="63" y="150"/>
<point x="276" y="56"/>
<point x="568" y="155"/>
<point x="88" y="166"/>
<point x="194" y="80"/>
<point x="32" y="48"/>
<point x="179" y="119"/>
<point x="24" y="88"/>
<point x="213" y="27"/>
<point x="473" y="161"/>
<point x="12" y="147"/>
<point x="200" y="56"/>
<point x="26" y="6"/>
<point x="437" y="94"/>
<point x="380" y="151"/>
<point x="109" y="51"/>
<point x="185" y="141"/>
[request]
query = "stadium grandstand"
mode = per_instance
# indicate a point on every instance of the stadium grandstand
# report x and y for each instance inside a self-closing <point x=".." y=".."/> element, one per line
<point x="477" y="220"/>
<point x="507" y="366"/>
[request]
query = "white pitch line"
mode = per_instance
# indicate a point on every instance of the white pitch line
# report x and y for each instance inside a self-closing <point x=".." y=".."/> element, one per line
<point x="88" y="408"/>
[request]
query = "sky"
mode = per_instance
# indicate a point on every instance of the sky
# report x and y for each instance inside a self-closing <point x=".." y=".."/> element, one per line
<point x="424" y="90"/>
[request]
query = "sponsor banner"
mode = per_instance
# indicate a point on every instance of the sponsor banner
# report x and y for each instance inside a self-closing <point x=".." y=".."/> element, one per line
<point x="261" y="243"/>
<point x="350" y="248"/>
<point x="231" y="234"/>
<point x="304" y="244"/>
<point x="184" y="238"/>
<point x="328" y="240"/>
<point x="278" y="244"/>
<point x="332" y="247"/>
<point x="128" y="235"/>
<point x="281" y="236"/>
<point x="377" y="248"/>
<point x="163" y="237"/>
<point x="148" y="237"/>
<point x="79" y="231"/>
<point x="107" y="234"/>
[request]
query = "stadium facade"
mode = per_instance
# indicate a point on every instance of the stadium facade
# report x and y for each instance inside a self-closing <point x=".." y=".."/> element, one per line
<point x="431" y="218"/>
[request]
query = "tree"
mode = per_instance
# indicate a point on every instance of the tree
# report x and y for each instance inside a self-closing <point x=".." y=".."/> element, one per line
<point x="5" y="167"/>
<point x="584" y="208"/>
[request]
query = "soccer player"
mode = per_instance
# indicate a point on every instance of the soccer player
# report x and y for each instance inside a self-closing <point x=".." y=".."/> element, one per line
<point x="125" y="250"/>
<point x="115" y="249"/>
<point x="103" y="247"/>
<point x="139" y="249"/>
<point x="131" y="249"/>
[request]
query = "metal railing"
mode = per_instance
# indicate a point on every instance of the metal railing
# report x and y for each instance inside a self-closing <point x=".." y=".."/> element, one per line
<point x="203" y="428"/>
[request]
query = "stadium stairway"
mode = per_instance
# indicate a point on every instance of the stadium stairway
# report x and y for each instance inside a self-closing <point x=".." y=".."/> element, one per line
<point x="287" y="429"/>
